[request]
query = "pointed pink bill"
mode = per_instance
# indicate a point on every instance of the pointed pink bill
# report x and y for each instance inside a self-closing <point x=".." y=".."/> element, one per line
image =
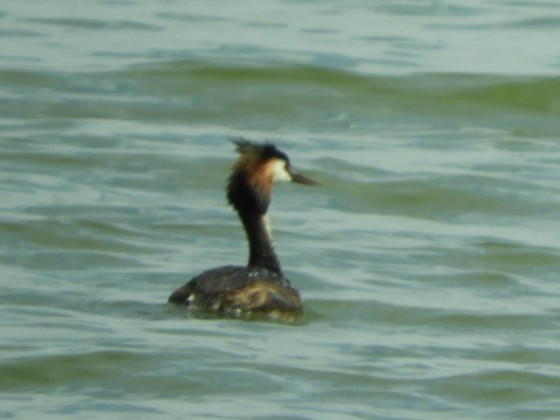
<point x="302" y="179"/>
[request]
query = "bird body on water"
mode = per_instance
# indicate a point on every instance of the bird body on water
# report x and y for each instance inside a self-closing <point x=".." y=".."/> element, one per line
<point x="259" y="288"/>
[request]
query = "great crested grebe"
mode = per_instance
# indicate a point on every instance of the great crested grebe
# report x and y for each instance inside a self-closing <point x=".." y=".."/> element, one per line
<point x="260" y="287"/>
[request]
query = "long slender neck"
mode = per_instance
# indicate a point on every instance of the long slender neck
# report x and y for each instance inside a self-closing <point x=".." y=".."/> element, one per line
<point x="252" y="204"/>
<point x="261" y="251"/>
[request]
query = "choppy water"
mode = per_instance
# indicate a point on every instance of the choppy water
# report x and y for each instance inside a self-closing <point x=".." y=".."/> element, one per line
<point x="429" y="258"/>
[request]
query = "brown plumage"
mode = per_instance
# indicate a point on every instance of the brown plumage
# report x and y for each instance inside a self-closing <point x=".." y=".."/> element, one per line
<point x="260" y="287"/>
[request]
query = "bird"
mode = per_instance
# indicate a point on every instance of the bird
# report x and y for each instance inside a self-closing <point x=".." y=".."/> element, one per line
<point x="259" y="288"/>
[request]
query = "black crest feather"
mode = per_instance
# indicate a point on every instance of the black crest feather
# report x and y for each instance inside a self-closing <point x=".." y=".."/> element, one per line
<point x="262" y="150"/>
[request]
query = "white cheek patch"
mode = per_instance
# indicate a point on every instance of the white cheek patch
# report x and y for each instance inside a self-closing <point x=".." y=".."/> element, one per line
<point x="280" y="173"/>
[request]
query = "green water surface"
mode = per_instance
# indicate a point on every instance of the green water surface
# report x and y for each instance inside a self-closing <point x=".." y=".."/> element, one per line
<point x="428" y="259"/>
